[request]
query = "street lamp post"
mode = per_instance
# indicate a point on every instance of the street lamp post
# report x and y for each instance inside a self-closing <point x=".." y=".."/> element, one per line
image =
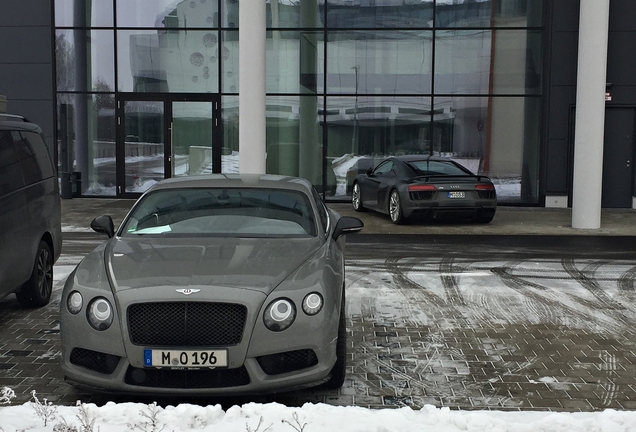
<point x="354" y="136"/>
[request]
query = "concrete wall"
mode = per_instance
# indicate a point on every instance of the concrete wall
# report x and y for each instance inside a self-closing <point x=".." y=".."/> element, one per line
<point x="26" y="61"/>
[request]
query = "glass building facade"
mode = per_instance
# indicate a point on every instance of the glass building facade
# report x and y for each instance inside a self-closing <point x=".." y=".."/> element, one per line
<point x="148" y="89"/>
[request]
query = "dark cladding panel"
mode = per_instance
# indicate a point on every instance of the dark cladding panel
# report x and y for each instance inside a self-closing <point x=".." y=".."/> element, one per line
<point x="564" y="58"/>
<point x="621" y="61"/>
<point x="561" y="99"/>
<point x="557" y="168"/>
<point x="21" y="13"/>
<point x="565" y="15"/>
<point x="25" y="44"/>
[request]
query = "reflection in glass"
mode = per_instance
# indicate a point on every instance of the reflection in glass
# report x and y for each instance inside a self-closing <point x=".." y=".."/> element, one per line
<point x="379" y="14"/>
<point x="229" y="59"/>
<point x="286" y="14"/>
<point x="83" y="13"/>
<point x="494" y="136"/>
<point x="230" y="121"/>
<point x="167" y="13"/>
<point x="497" y="13"/>
<point x="487" y="62"/>
<point x="379" y="62"/>
<point x="294" y="137"/>
<point x="294" y="60"/>
<point x="86" y="134"/>
<point x="84" y="60"/>
<point x="361" y="131"/>
<point x="143" y="145"/>
<point x="176" y="61"/>
<point x="191" y="138"/>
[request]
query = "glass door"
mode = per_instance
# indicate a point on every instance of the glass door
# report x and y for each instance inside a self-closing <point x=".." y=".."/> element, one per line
<point x="141" y="146"/>
<point x="166" y="136"/>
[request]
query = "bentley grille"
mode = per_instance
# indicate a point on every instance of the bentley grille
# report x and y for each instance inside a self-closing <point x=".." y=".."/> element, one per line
<point x="189" y="324"/>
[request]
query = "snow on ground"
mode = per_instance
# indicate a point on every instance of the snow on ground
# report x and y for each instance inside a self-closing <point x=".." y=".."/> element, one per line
<point x="275" y="417"/>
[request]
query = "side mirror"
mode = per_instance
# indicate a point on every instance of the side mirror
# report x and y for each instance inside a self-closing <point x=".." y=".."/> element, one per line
<point x="369" y="171"/>
<point x="103" y="225"/>
<point x="347" y="225"/>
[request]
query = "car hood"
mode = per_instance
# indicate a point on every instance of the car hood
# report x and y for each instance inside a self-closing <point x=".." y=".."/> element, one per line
<point x="249" y="263"/>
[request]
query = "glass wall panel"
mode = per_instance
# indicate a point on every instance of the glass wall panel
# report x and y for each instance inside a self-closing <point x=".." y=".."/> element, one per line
<point x="294" y="137"/>
<point x="497" y="13"/>
<point x="363" y="130"/>
<point x="86" y="133"/>
<point x="176" y="61"/>
<point x="83" y="13"/>
<point x="229" y="13"/>
<point x="295" y="62"/>
<point x="230" y="61"/>
<point x="372" y="62"/>
<point x="168" y="13"/>
<point x="295" y="14"/>
<point x="494" y="136"/>
<point x="379" y="14"/>
<point x="84" y="60"/>
<point x="230" y="121"/>
<point x="487" y="62"/>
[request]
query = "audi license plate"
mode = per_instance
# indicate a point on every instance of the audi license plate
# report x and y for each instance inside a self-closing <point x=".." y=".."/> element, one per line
<point x="457" y="194"/>
<point x="191" y="359"/>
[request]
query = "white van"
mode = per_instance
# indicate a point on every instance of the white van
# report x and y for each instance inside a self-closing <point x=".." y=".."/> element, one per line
<point x="30" y="213"/>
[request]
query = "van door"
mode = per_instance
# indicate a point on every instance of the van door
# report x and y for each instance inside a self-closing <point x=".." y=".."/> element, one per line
<point x="14" y="219"/>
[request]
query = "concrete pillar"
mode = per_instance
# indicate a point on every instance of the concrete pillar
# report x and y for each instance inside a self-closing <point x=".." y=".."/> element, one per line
<point x="590" y="114"/>
<point x="252" y="87"/>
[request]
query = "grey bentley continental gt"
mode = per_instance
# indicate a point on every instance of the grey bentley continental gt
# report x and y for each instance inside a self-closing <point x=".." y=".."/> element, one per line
<point x="212" y="285"/>
<point x="424" y="186"/>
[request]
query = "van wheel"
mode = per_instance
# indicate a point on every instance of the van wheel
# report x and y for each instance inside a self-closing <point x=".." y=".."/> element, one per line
<point x="36" y="292"/>
<point x="339" y="370"/>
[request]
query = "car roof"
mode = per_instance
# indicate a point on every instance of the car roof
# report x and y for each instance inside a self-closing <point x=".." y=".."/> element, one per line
<point x="421" y="157"/>
<point x="12" y="117"/>
<point x="17" y="126"/>
<point x="267" y="181"/>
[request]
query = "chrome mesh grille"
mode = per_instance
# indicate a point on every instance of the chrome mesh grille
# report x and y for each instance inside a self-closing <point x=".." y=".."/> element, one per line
<point x="192" y="324"/>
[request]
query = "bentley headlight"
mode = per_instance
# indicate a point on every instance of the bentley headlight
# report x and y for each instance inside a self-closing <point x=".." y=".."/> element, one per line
<point x="100" y="313"/>
<point x="279" y="315"/>
<point x="312" y="304"/>
<point x="74" y="302"/>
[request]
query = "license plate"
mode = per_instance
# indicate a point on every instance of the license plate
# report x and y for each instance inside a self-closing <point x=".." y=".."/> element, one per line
<point x="191" y="359"/>
<point x="456" y="194"/>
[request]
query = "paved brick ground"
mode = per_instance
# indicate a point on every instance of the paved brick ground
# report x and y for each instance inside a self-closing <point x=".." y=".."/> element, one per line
<point x="508" y="367"/>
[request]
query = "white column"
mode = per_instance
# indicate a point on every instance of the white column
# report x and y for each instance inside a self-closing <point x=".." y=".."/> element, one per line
<point x="252" y="87"/>
<point x="590" y="114"/>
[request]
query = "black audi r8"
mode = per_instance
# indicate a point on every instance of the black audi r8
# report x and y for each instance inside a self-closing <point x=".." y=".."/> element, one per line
<point x="428" y="186"/>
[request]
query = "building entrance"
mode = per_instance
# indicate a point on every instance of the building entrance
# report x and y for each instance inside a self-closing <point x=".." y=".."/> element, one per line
<point x="618" y="158"/>
<point x="167" y="136"/>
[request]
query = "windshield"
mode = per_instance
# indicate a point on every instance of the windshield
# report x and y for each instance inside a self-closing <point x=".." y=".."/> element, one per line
<point x="436" y="168"/>
<point x="240" y="212"/>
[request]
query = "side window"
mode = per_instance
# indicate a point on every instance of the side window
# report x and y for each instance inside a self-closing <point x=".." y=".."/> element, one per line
<point x="11" y="178"/>
<point x="42" y="153"/>
<point x="30" y="167"/>
<point x="322" y="211"/>
<point x="384" y="168"/>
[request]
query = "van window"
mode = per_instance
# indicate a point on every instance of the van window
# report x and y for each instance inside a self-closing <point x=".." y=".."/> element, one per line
<point x="28" y="159"/>
<point x="42" y="154"/>
<point x="10" y="170"/>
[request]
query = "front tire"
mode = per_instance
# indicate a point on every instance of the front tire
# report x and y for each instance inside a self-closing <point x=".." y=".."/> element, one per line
<point x="395" y="208"/>
<point x="356" y="198"/>
<point x="339" y="370"/>
<point x="36" y="292"/>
